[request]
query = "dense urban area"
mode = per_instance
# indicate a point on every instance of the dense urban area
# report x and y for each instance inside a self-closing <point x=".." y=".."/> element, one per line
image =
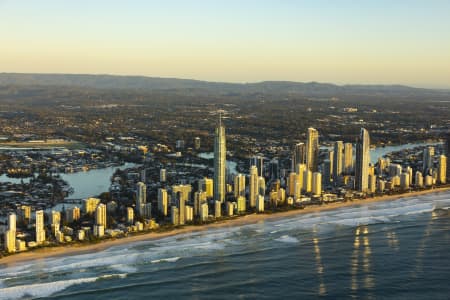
<point x="203" y="152"/>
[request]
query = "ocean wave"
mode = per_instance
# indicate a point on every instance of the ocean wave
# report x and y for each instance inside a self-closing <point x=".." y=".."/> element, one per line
<point x="287" y="239"/>
<point x="47" y="289"/>
<point x="170" y="259"/>
<point x="124" y="268"/>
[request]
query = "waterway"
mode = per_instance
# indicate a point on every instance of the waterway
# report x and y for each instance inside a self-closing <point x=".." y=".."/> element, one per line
<point x="85" y="184"/>
<point x="96" y="181"/>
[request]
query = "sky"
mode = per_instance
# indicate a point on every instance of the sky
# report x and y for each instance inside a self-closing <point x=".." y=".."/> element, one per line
<point x="337" y="41"/>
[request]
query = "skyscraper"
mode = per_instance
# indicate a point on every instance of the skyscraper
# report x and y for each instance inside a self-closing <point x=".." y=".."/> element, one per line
<point x="317" y="184"/>
<point x="253" y="186"/>
<point x="348" y="158"/>
<point x="40" y="230"/>
<point x="298" y="155"/>
<point x="100" y="215"/>
<point x="239" y="186"/>
<point x="10" y="234"/>
<point x="206" y="185"/>
<point x="220" y="153"/>
<point x="163" y="203"/>
<point x="141" y="197"/>
<point x="447" y="153"/>
<point x="442" y="169"/>
<point x="428" y="154"/>
<point x="196" y="143"/>
<point x="312" y="149"/>
<point x="337" y="161"/>
<point x="258" y="161"/>
<point x="362" y="161"/>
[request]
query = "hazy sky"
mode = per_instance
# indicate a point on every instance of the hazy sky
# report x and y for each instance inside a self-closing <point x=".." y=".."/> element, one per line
<point x="379" y="41"/>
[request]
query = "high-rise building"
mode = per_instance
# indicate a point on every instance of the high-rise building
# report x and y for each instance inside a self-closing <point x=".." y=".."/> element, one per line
<point x="338" y="161"/>
<point x="258" y="162"/>
<point x="73" y="214"/>
<point x="327" y="171"/>
<point x="40" y="229"/>
<point x="404" y="181"/>
<point x="220" y="153"/>
<point x="25" y="212"/>
<point x="163" y="201"/>
<point x="260" y="203"/>
<point x="141" y="197"/>
<point x="261" y="186"/>
<point x="447" y="153"/>
<point x="300" y="172"/>
<point x="196" y="143"/>
<point x="100" y="215"/>
<point x="442" y="169"/>
<point x="206" y="185"/>
<point x="274" y="168"/>
<point x="362" y="161"/>
<point x="143" y="175"/>
<point x="204" y="212"/>
<point x="330" y="157"/>
<point x="10" y="234"/>
<point x="293" y="179"/>
<point x="253" y="186"/>
<point x="182" y="210"/>
<point x="298" y="155"/>
<point x="217" y="209"/>
<point x="147" y="211"/>
<point x="348" y="158"/>
<point x="241" y="204"/>
<point x="162" y="175"/>
<point x="175" y="215"/>
<point x="90" y="204"/>
<point x="183" y="189"/>
<point x="317" y="184"/>
<point x="199" y="199"/>
<point x="307" y="181"/>
<point x="12" y="221"/>
<point x="372" y="181"/>
<point x="312" y="149"/>
<point x="130" y="215"/>
<point x="428" y="154"/>
<point x="239" y="185"/>
<point x="418" y="182"/>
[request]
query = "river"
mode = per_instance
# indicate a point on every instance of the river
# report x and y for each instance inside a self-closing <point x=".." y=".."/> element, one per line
<point x="97" y="181"/>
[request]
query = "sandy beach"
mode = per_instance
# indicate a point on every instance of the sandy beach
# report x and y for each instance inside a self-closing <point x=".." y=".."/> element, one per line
<point x="67" y="250"/>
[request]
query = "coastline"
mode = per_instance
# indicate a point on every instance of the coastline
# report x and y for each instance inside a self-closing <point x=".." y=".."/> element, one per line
<point x="77" y="249"/>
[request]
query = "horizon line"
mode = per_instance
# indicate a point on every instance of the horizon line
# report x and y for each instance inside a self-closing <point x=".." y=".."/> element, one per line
<point x="230" y="82"/>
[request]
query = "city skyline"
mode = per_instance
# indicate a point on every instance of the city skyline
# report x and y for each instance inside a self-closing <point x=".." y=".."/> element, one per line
<point x="382" y="42"/>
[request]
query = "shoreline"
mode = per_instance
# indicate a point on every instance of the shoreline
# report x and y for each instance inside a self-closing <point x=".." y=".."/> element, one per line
<point x="78" y="249"/>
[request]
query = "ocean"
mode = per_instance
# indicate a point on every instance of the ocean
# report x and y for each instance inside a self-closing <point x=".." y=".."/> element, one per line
<point x="386" y="250"/>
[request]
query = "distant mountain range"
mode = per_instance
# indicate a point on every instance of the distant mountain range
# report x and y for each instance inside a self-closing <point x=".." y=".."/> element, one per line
<point x="156" y="83"/>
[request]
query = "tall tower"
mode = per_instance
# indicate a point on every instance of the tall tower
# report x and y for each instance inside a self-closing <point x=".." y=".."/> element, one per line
<point x="312" y="149"/>
<point x="447" y="153"/>
<point x="298" y="155"/>
<point x="362" y="161"/>
<point x="239" y="186"/>
<point x="40" y="230"/>
<point x="337" y="161"/>
<point x="428" y="154"/>
<point x="141" y="197"/>
<point x="253" y="186"/>
<point x="348" y="158"/>
<point x="220" y="153"/>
